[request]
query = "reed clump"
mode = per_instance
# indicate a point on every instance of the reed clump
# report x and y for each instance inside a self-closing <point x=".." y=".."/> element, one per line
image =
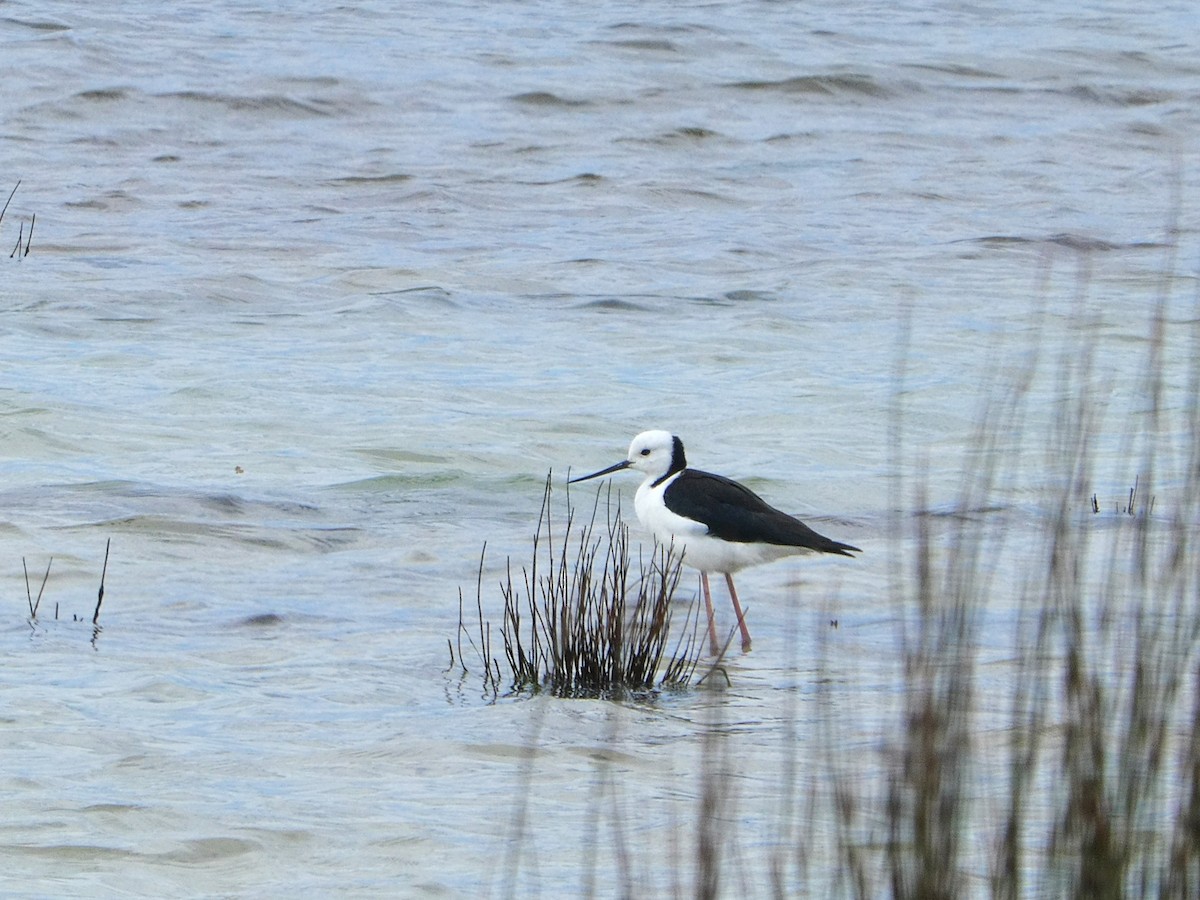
<point x="586" y="617"/>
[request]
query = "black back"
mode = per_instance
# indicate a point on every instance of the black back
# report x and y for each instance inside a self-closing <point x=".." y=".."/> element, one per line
<point x="735" y="513"/>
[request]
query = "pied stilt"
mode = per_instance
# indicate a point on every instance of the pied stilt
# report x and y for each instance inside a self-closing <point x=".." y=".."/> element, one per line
<point x="718" y="524"/>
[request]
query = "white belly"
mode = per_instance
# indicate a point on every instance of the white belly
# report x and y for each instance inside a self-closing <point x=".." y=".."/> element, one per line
<point x="700" y="550"/>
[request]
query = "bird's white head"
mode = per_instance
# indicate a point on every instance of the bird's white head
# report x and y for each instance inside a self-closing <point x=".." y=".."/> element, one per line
<point x="653" y="453"/>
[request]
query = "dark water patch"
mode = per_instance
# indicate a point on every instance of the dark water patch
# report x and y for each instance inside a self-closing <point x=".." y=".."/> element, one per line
<point x="819" y="85"/>
<point x="784" y="137"/>
<point x="709" y="300"/>
<point x="170" y="529"/>
<point x="261" y="620"/>
<point x="402" y="482"/>
<point x="425" y="292"/>
<point x="319" y="81"/>
<point x="1118" y="97"/>
<point x="686" y="134"/>
<point x="152" y="509"/>
<point x="80" y="853"/>
<point x="205" y="851"/>
<point x="109" y="200"/>
<point x="224" y="503"/>
<point x="103" y="94"/>
<point x="749" y="296"/>
<point x="957" y="513"/>
<point x="36" y="26"/>
<point x="121" y="488"/>
<point x="390" y="178"/>
<point x="658" y="28"/>
<point x="613" y="304"/>
<point x="653" y="302"/>
<point x="586" y="179"/>
<point x="1147" y="129"/>
<point x="269" y="104"/>
<point x="690" y="196"/>
<point x="695" y="132"/>
<point x="645" y="45"/>
<point x="548" y="99"/>
<point x="113" y="808"/>
<point x="962" y="71"/>
<point x="1079" y="242"/>
<point x="379" y="454"/>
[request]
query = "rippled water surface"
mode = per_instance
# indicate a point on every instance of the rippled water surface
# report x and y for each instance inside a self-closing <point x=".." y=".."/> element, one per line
<point x="316" y="296"/>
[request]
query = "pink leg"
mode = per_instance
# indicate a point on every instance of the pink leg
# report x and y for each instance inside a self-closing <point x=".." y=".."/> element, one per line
<point x="712" y="622"/>
<point x="737" y="609"/>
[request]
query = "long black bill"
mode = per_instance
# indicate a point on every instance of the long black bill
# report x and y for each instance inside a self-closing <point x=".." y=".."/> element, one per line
<point x="623" y="464"/>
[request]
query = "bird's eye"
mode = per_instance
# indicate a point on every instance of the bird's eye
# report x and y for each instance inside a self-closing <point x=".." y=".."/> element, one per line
<point x="645" y="451"/>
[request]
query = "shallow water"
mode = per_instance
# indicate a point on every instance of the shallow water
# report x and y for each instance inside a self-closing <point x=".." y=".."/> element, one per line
<point x="315" y="299"/>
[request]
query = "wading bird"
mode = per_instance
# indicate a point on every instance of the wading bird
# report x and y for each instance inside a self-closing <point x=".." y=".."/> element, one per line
<point x="717" y="524"/>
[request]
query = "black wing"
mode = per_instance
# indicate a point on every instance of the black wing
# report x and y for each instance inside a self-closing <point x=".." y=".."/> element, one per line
<point x="735" y="513"/>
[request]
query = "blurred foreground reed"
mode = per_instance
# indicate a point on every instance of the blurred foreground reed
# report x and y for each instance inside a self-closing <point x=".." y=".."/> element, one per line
<point x="1044" y="736"/>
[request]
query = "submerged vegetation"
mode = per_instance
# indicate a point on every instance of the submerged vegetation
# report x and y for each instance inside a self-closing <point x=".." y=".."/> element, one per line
<point x="24" y="240"/>
<point x="583" y="619"/>
<point x="35" y="603"/>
